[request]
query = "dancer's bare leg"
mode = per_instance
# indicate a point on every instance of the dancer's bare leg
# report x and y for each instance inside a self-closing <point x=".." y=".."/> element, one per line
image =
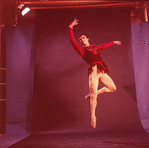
<point x="88" y="96"/>
<point x="93" y="84"/>
<point x="108" y="83"/>
<point x="109" y="86"/>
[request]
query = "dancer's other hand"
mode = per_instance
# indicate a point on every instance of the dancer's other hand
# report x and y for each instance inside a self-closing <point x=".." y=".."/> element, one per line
<point x="117" y="42"/>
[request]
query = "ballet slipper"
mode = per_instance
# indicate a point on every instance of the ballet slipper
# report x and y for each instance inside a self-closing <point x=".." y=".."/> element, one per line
<point x="93" y="122"/>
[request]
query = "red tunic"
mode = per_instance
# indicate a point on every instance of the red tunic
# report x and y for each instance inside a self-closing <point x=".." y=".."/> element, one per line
<point x="90" y="54"/>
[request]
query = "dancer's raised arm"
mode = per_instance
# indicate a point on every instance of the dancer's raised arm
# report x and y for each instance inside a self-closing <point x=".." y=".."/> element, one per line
<point x="73" y="41"/>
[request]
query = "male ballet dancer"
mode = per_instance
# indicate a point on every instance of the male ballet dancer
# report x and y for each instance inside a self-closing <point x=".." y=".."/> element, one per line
<point x="98" y="70"/>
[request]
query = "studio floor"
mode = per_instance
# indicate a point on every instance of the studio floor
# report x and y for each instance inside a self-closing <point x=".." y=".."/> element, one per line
<point x="86" y="139"/>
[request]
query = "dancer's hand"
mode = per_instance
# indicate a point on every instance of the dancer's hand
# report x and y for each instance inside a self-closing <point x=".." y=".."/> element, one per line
<point x="75" y="22"/>
<point x="117" y="42"/>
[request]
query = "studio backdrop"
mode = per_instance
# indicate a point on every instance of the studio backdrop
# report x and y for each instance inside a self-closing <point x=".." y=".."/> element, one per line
<point x="61" y="80"/>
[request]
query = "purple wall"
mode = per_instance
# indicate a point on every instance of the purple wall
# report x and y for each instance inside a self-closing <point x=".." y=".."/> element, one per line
<point x="20" y="78"/>
<point x="61" y="80"/>
<point x="140" y="44"/>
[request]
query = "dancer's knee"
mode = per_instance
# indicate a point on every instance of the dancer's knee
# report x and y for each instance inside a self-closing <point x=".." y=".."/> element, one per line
<point x="94" y="95"/>
<point x="113" y="89"/>
<point x="93" y="99"/>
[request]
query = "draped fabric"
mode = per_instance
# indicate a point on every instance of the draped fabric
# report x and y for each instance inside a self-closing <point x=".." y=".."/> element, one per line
<point x="20" y="78"/>
<point x="140" y="45"/>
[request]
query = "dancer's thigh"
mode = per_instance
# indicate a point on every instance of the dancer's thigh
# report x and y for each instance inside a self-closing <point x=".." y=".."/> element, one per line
<point x="107" y="81"/>
<point x="93" y="83"/>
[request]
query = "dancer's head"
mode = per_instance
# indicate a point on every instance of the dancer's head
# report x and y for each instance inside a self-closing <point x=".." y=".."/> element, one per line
<point x="84" y="40"/>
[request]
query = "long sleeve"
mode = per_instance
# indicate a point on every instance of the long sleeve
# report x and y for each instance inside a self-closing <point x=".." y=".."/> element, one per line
<point x="107" y="45"/>
<point x="74" y="43"/>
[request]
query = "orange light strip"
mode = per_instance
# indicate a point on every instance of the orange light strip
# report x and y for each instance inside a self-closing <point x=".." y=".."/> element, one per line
<point x="2" y="99"/>
<point x="2" y="68"/>
<point x="64" y="2"/>
<point x="2" y="83"/>
<point x="85" y="6"/>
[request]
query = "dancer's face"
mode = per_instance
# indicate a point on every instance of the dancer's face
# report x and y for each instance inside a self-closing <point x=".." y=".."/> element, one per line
<point x="84" y="40"/>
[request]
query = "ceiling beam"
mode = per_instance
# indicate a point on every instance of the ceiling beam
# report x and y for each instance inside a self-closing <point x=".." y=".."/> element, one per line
<point x="83" y="4"/>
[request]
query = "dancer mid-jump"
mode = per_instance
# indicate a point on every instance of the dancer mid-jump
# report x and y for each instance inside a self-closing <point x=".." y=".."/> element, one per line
<point x="97" y="70"/>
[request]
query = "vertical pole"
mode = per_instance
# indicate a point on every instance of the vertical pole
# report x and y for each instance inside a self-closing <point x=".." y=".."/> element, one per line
<point x="145" y="13"/>
<point x="2" y="85"/>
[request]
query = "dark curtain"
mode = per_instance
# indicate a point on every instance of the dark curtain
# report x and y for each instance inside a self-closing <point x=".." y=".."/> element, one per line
<point x="140" y="45"/>
<point x="61" y="80"/>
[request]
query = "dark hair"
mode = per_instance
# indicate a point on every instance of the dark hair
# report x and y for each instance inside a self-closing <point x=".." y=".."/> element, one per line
<point x="83" y="34"/>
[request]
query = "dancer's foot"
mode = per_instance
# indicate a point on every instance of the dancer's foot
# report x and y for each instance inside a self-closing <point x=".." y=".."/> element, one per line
<point x="88" y="96"/>
<point x="93" y="122"/>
